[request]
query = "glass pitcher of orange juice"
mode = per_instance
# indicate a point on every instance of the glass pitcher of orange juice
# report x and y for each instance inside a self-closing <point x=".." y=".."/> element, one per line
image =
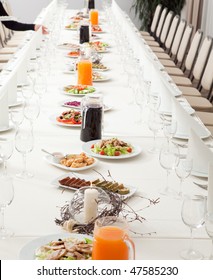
<point x="111" y="240"/>
<point x="85" y="67"/>
<point x="93" y="16"/>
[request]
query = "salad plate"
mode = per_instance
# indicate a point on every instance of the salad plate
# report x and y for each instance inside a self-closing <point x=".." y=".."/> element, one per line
<point x="76" y="104"/>
<point x="88" y="148"/>
<point x="78" y="90"/>
<point x="53" y="120"/>
<point x="98" y="77"/>
<point x="28" y="252"/>
<point x="49" y="159"/>
<point x="87" y="178"/>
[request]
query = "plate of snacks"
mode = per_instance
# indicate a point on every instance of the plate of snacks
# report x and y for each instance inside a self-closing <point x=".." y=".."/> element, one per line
<point x="58" y="247"/>
<point x="99" y="67"/>
<point x="73" y="162"/>
<point x="74" y="53"/>
<point x="71" y="182"/>
<point x="97" y="29"/>
<point x="112" y="148"/>
<point x="67" y="118"/>
<point x="98" y="77"/>
<point x="72" y="26"/>
<point x="76" y="104"/>
<point x="79" y="90"/>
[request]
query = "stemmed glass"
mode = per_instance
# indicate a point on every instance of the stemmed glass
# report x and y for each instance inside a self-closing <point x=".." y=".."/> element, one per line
<point x="24" y="144"/>
<point x="40" y="86"/>
<point x="17" y="117"/>
<point x="209" y="229"/>
<point x="193" y="216"/>
<point x="169" y="129"/>
<point x="32" y="109"/>
<point x="6" y="150"/>
<point x="155" y="124"/>
<point x="27" y="92"/>
<point x="183" y="170"/>
<point x="140" y="101"/>
<point x="6" y="198"/>
<point x="168" y="158"/>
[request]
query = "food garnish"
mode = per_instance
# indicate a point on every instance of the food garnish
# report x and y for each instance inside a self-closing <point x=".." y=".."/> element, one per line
<point x="70" y="117"/>
<point x="65" y="249"/>
<point x="111" y="147"/>
<point x="77" y="160"/>
<point x="79" y="89"/>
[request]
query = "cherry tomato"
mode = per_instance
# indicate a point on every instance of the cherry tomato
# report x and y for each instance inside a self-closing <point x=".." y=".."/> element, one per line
<point x="129" y="149"/>
<point x="102" y="153"/>
<point x="92" y="147"/>
<point x="117" y="153"/>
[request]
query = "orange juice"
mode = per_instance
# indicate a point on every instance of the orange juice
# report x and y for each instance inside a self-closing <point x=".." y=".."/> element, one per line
<point x="93" y="15"/>
<point x="109" y="244"/>
<point x="85" y="72"/>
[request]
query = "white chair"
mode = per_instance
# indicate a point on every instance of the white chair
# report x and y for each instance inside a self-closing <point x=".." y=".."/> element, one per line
<point x="164" y="31"/>
<point x="154" y="22"/>
<point x="190" y="58"/>
<point x="199" y="65"/>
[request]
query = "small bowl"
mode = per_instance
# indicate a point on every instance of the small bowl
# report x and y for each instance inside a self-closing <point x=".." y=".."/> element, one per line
<point x="57" y="157"/>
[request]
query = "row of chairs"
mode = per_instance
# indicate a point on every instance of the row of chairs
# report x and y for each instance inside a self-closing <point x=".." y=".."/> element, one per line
<point x="187" y="60"/>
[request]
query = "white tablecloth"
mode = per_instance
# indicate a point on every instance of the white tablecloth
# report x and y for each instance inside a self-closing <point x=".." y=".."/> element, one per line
<point x="37" y="201"/>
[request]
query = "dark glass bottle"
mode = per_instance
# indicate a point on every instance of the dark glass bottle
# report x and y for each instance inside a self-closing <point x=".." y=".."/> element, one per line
<point x="84" y="34"/>
<point x="91" y="4"/>
<point x="92" y="118"/>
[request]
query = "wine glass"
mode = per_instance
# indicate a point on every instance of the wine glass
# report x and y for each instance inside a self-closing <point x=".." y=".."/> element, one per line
<point x="6" y="198"/>
<point x="24" y="144"/>
<point x="155" y="124"/>
<point x="17" y="117"/>
<point x="209" y="229"/>
<point x="32" y="109"/>
<point x="40" y="86"/>
<point x="27" y="92"/>
<point x="139" y="100"/>
<point x="183" y="170"/>
<point x="168" y="158"/>
<point x="6" y="150"/>
<point x="193" y="216"/>
<point x="169" y="129"/>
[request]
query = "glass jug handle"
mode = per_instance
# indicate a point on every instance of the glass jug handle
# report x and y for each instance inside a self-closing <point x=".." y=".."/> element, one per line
<point x="131" y="246"/>
<point x="85" y="115"/>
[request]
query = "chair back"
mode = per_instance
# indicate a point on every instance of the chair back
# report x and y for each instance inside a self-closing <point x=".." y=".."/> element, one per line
<point x="171" y="34"/>
<point x="178" y="37"/>
<point x="207" y="79"/>
<point x="156" y="18"/>
<point x="184" y="44"/>
<point x="2" y="35"/>
<point x="202" y="58"/>
<point x="161" y="22"/>
<point x="166" y="27"/>
<point x="193" y="50"/>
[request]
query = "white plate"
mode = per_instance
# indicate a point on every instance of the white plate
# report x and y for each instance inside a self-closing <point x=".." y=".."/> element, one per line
<point x="186" y="137"/>
<point x="87" y="149"/>
<point x="88" y="178"/>
<point x="28" y="251"/>
<point x="53" y="120"/>
<point x="48" y="158"/>
<point x="188" y="109"/>
<point x="76" y="94"/>
<point x="104" y="79"/>
<point x="100" y="70"/>
<point x="62" y="103"/>
<point x="17" y="103"/>
<point x="65" y="46"/>
<point x="3" y="129"/>
<point x="199" y="174"/>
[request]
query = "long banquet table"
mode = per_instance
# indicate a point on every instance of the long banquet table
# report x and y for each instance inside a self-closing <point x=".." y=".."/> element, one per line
<point x="36" y="203"/>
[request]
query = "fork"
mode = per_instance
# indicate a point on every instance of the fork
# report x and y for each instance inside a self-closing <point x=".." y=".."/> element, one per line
<point x="203" y="186"/>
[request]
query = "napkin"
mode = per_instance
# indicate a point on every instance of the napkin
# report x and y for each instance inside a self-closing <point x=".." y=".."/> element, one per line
<point x="12" y="88"/>
<point x="22" y="70"/>
<point x="185" y="122"/>
<point x="210" y="190"/>
<point x="202" y="156"/>
<point x="4" y="115"/>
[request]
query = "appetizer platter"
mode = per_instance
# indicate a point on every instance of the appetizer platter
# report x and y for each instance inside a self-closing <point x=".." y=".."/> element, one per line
<point x="73" y="162"/>
<point x="69" y="46"/>
<point x="97" y="29"/>
<point x="76" y="104"/>
<point x="58" y="247"/>
<point x="70" y="117"/>
<point x="79" y="90"/>
<point x="98" y="77"/>
<point x="97" y="66"/>
<point x="72" y="26"/>
<point x="72" y="182"/>
<point x="74" y="54"/>
<point x="112" y="148"/>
